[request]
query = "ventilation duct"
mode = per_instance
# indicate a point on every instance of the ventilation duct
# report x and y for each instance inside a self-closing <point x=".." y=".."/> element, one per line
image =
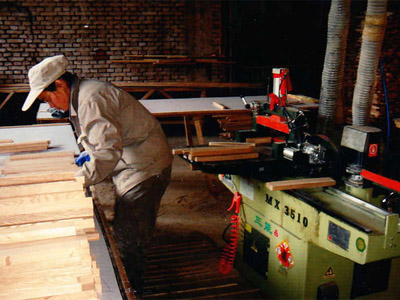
<point x="332" y="74"/>
<point x="372" y="38"/>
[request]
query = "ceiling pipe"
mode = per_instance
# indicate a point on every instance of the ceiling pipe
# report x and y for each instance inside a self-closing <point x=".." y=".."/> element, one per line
<point x="372" y="39"/>
<point x="333" y="71"/>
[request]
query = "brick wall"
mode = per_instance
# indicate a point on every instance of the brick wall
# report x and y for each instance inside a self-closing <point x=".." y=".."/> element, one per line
<point x="92" y="34"/>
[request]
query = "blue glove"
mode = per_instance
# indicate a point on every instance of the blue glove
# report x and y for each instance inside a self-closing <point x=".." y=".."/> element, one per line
<point x="82" y="158"/>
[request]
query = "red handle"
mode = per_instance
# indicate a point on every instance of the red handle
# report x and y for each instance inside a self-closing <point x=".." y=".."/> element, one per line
<point x="381" y="180"/>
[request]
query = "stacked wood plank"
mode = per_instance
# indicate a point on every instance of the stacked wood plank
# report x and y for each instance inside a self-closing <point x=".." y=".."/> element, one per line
<point x="9" y="146"/>
<point x="46" y="223"/>
<point x="232" y="123"/>
<point x="232" y="151"/>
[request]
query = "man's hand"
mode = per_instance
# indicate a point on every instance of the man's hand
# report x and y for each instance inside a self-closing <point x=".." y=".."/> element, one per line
<point x="82" y="158"/>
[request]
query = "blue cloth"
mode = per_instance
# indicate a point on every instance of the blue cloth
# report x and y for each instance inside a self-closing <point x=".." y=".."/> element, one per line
<point x="82" y="158"/>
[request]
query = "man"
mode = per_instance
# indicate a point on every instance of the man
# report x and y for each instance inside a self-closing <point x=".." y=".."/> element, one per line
<point x="123" y="140"/>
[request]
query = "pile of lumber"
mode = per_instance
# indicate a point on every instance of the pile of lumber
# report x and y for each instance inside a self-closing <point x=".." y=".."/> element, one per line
<point x="46" y="223"/>
<point x="218" y="152"/>
<point x="232" y="123"/>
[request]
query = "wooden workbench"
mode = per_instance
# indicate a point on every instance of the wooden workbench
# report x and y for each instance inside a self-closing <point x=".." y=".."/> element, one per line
<point x="192" y="110"/>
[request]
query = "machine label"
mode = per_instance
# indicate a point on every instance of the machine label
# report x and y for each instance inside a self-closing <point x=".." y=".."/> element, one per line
<point x="290" y="212"/>
<point x="284" y="255"/>
<point x="373" y="150"/>
<point x="272" y="201"/>
<point x="329" y="273"/>
<point x="296" y="216"/>
<point x="267" y="227"/>
<point x="338" y="235"/>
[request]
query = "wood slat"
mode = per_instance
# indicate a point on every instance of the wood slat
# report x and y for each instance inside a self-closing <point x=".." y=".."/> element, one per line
<point x="22" y="178"/>
<point x="83" y="295"/>
<point x="32" y="166"/>
<point x="211" y="151"/>
<point x="24" y="146"/>
<point x="34" y="251"/>
<point x="300" y="183"/>
<point x="45" y="207"/>
<point x="226" y="157"/>
<point x="259" y="140"/>
<point x="6" y="141"/>
<point x="7" y="192"/>
<point x="230" y="144"/>
<point x="46" y="155"/>
<point x="45" y="230"/>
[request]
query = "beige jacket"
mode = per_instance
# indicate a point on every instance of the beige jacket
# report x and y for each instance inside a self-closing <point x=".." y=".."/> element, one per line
<point x="122" y="137"/>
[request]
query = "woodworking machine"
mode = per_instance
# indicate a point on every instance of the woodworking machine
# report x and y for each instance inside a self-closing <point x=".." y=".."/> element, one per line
<point x="323" y="241"/>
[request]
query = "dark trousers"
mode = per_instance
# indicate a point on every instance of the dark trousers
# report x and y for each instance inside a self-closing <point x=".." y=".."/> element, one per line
<point x="134" y="221"/>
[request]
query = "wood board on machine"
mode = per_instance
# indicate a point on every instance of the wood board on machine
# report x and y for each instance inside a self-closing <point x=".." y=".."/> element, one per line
<point x="229" y="152"/>
<point x="46" y="223"/>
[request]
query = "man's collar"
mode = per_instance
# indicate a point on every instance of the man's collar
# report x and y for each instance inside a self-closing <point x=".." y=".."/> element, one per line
<point x="73" y="105"/>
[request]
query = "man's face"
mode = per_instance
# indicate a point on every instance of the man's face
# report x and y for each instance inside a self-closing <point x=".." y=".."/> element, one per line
<point x="58" y="98"/>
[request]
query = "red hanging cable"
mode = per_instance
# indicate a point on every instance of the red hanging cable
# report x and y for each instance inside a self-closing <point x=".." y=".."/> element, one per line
<point x="229" y="251"/>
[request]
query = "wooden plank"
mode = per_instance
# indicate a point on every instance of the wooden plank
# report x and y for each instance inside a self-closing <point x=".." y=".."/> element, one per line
<point x="58" y="286"/>
<point x="6" y="141"/>
<point x="260" y="140"/>
<point x="8" y="192"/>
<point x="188" y="131"/>
<point x="215" y="149"/>
<point x="226" y="157"/>
<point x="84" y="295"/>
<point x="38" y="162"/>
<point x="219" y="105"/>
<point x="208" y="151"/>
<point x="48" y="154"/>
<point x="35" y="251"/>
<point x="45" y="230"/>
<point x="77" y="271"/>
<point x="45" y="207"/>
<point x="230" y="144"/>
<point x="29" y="169"/>
<point x="19" y="267"/>
<point x="22" y="179"/>
<point x="199" y="132"/>
<point x="300" y="183"/>
<point x="24" y="146"/>
<point x="42" y="164"/>
<point x="7" y="99"/>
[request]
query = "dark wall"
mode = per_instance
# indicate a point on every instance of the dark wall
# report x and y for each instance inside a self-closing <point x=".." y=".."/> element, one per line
<point x="273" y="34"/>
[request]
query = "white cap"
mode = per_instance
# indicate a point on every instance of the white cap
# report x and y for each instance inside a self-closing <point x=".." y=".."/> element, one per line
<point x="42" y="75"/>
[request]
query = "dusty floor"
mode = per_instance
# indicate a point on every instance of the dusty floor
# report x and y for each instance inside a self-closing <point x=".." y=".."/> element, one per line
<point x="186" y="246"/>
<point x="194" y="201"/>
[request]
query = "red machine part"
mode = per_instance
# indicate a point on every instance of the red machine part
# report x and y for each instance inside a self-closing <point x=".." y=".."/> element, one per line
<point x="381" y="180"/>
<point x="274" y="122"/>
<point x="285" y="87"/>
<point x="229" y="251"/>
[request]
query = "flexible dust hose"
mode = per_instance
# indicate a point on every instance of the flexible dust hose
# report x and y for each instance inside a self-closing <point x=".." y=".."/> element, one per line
<point x="332" y="74"/>
<point x="372" y="39"/>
